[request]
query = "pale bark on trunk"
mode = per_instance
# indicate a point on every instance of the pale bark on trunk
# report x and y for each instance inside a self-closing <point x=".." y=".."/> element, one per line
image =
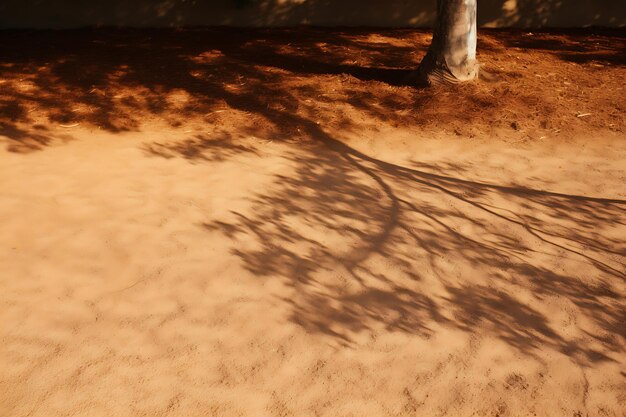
<point x="451" y="57"/>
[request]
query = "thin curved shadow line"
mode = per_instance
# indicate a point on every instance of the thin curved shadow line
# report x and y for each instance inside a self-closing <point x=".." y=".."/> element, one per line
<point x="342" y="147"/>
<point x="420" y="176"/>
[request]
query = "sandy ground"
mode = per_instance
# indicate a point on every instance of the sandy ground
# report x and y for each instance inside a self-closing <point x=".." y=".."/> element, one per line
<point x="179" y="240"/>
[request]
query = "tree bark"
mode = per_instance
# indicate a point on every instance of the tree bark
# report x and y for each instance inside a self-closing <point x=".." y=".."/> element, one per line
<point x="451" y="57"/>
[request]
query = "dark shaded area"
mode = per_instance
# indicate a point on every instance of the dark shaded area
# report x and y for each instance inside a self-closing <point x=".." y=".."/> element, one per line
<point x="403" y="214"/>
<point x="551" y="13"/>
<point x="571" y="45"/>
<point x="403" y="13"/>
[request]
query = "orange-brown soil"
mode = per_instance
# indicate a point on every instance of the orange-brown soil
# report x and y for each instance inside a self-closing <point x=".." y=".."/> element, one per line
<point x="242" y="222"/>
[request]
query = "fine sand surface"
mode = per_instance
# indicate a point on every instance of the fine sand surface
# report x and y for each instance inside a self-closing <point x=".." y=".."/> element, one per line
<point x="310" y="243"/>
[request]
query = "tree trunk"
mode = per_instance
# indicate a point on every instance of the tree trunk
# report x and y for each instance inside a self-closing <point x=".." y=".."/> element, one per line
<point x="451" y="57"/>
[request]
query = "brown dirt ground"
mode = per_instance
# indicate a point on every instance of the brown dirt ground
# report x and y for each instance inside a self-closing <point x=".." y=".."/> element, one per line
<point x="271" y="222"/>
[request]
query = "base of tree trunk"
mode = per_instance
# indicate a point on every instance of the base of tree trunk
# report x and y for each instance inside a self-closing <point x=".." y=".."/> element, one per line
<point x="433" y="71"/>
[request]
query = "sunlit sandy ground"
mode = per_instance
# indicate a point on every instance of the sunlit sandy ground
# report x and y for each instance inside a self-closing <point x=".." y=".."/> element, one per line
<point x="272" y="223"/>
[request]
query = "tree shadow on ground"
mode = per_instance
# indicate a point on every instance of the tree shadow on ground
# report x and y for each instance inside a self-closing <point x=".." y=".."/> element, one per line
<point x="395" y="241"/>
<point x="343" y="213"/>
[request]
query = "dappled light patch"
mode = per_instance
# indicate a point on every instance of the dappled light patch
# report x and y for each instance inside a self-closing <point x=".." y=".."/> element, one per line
<point x="284" y="80"/>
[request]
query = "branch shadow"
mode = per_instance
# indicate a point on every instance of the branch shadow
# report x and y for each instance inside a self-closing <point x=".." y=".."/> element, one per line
<point x="343" y="214"/>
